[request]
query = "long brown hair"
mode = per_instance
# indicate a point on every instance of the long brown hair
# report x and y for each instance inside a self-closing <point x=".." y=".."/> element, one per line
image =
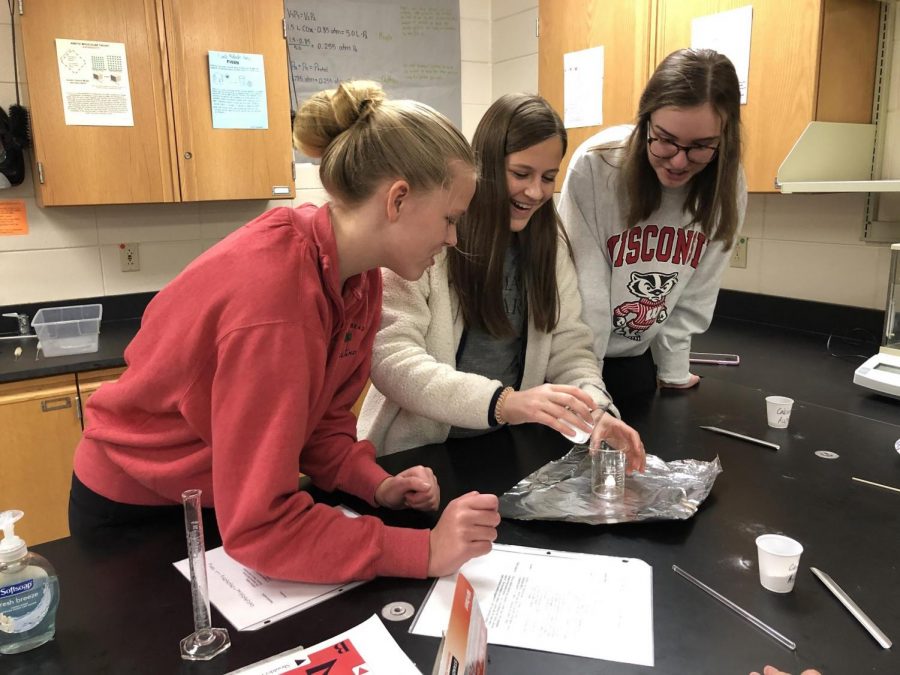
<point x="514" y="122"/>
<point x="684" y="79"/>
<point x="364" y="138"/>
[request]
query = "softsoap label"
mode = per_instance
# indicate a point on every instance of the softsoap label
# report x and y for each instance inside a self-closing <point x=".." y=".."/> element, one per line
<point x="23" y="605"/>
<point x="19" y="587"/>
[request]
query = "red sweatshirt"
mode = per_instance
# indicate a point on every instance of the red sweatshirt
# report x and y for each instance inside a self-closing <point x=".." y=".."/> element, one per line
<point x="243" y="372"/>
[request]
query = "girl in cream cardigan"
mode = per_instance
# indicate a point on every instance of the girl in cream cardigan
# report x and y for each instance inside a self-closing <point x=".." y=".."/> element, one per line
<point x="489" y="335"/>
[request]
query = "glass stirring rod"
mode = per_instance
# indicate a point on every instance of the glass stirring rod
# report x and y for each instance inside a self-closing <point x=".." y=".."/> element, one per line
<point x="765" y="628"/>
<point x="205" y="642"/>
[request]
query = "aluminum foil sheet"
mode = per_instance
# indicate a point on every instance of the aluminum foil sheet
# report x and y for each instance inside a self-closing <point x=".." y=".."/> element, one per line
<point x="561" y="490"/>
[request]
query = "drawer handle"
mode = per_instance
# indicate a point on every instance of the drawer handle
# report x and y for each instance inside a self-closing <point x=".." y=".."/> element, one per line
<point x="51" y="404"/>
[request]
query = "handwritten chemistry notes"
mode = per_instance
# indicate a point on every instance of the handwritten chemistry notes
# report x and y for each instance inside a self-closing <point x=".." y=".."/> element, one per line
<point x="413" y="51"/>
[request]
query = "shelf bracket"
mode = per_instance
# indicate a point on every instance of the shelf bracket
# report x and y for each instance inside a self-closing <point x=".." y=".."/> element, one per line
<point x="848" y="157"/>
<point x="875" y="230"/>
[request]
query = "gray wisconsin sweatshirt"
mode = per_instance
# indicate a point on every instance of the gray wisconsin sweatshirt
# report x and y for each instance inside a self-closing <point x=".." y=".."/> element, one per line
<point x="653" y="285"/>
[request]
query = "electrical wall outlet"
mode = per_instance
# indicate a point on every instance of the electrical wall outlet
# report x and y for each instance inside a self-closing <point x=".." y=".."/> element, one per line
<point x="739" y="252"/>
<point x="129" y="257"/>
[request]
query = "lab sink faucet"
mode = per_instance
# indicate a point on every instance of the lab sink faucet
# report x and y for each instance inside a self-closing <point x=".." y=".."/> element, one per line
<point x="23" y="322"/>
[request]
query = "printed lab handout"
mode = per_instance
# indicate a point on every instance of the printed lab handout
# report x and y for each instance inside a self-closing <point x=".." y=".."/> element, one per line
<point x="568" y="603"/>
<point x="250" y="600"/>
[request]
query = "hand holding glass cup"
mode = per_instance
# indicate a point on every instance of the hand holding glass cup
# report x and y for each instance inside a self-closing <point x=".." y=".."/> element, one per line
<point x="610" y="431"/>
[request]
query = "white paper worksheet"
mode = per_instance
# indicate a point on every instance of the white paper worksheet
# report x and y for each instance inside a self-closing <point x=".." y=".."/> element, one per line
<point x="250" y="600"/>
<point x="568" y="603"/>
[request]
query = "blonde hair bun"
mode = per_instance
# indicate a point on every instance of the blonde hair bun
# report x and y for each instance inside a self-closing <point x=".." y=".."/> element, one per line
<point x="364" y="139"/>
<point x="326" y="115"/>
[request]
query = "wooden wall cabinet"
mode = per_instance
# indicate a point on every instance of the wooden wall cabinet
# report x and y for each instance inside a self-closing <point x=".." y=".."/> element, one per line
<point x="41" y="427"/>
<point x="622" y="28"/>
<point x="810" y="60"/>
<point x="41" y="423"/>
<point x="172" y="153"/>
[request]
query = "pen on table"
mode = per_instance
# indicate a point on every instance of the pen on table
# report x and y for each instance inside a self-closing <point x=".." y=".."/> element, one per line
<point x="852" y="607"/>
<point x="765" y="628"/>
<point x="869" y="482"/>
<point x="750" y="439"/>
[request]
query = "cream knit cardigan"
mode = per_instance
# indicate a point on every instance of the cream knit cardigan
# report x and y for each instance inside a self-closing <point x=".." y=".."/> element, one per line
<point x="418" y="394"/>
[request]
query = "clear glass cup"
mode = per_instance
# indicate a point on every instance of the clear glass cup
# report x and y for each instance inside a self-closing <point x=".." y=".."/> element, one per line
<point x="607" y="472"/>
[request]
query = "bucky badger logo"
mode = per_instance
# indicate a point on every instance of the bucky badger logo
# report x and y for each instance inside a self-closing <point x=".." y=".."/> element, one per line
<point x="631" y="319"/>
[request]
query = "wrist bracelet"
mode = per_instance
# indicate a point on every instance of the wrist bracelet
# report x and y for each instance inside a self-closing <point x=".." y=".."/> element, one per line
<point x="498" y="407"/>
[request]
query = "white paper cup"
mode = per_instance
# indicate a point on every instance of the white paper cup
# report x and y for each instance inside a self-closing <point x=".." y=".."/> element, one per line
<point x="778" y="411"/>
<point x="779" y="558"/>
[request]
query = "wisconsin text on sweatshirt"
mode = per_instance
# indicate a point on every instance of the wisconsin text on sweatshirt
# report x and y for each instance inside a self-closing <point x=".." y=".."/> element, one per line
<point x="665" y="244"/>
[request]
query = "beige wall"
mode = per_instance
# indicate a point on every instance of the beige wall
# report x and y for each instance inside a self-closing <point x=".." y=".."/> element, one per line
<point x="801" y="246"/>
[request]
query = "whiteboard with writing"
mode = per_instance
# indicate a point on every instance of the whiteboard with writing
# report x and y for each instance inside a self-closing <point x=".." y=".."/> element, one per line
<point x="410" y="46"/>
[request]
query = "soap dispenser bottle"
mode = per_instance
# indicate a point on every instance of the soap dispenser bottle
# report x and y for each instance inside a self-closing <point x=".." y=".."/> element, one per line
<point x="29" y="592"/>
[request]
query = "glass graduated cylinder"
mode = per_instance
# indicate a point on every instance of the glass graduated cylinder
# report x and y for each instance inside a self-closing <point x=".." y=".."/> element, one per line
<point x="205" y="642"/>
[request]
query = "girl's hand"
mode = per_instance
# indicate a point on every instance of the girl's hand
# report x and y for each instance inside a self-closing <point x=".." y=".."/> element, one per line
<point x="695" y="379"/>
<point x="466" y="530"/>
<point x="415" y="488"/>
<point x="548" y="404"/>
<point x="620" y="436"/>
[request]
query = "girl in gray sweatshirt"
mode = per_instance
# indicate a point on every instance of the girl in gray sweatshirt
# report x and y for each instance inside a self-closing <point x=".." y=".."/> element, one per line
<point x="651" y="211"/>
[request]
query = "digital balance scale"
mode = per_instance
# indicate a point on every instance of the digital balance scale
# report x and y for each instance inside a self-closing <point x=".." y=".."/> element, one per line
<point x="881" y="372"/>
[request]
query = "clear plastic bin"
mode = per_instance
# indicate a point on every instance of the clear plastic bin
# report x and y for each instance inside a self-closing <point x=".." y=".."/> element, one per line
<point x="64" y="331"/>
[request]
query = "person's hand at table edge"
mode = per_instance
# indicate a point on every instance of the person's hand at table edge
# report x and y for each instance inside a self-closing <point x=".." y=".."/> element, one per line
<point x="415" y="488"/>
<point x="772" y="670"/>
<point x="466" y="530"/>
<point x="692" y="382"/>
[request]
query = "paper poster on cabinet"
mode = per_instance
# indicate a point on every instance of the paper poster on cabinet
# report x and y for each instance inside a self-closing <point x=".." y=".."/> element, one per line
<point x="583" y="88"/>
<point x="237" y="87"/>
<point x="93" y="77"/>
<point x="729" y="34"/>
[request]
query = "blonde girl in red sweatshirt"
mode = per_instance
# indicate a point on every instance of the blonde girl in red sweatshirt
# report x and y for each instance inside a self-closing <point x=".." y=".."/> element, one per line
<point x="247" y="364"/>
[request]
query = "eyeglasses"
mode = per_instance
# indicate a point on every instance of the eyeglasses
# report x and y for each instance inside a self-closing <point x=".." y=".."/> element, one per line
<point x="665" y="149"/>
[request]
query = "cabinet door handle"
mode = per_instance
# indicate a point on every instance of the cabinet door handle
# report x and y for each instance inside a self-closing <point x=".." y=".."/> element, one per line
<point x="51" y="404"/>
